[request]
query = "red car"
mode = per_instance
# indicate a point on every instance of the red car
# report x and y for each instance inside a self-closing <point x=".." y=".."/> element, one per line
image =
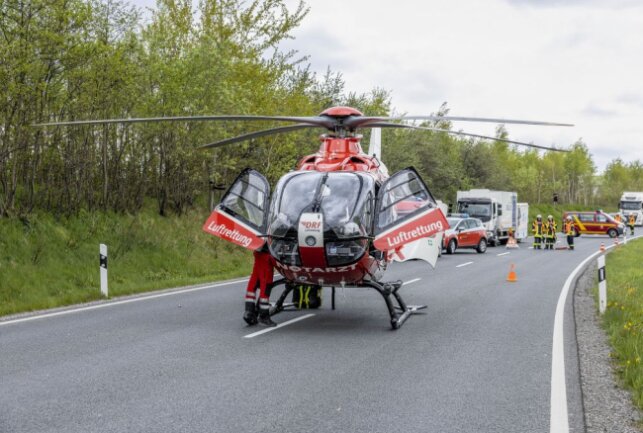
<point x="465" y="233"/>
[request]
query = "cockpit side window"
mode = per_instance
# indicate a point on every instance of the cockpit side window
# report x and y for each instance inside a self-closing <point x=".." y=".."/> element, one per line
<point x="404" y="194"/>
<point x="247" y="198"/>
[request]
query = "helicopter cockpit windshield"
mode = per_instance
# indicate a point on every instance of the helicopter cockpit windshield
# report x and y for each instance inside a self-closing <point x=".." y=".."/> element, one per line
<point x="344" y="199"/>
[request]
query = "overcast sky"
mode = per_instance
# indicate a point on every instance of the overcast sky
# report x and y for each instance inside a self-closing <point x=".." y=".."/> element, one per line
<point x="576" y="61"/>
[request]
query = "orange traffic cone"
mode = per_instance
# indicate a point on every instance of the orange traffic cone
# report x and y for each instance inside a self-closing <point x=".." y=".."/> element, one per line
<point x="512" y="274"/>
<point x="602" y="247"/>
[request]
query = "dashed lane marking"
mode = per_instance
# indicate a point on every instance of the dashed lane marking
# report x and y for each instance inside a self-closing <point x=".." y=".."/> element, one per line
<point x="503" y="254"/>
<point x="414" y="280"/>
<point x="281" y="325"/>
<point x="463" y="264"/>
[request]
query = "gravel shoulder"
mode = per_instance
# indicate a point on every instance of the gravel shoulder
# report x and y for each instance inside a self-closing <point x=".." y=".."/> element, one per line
<point x="608" y="408"/>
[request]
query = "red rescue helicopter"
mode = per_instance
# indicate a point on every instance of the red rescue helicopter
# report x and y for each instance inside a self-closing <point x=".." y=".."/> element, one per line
<point x="339" y="218"/>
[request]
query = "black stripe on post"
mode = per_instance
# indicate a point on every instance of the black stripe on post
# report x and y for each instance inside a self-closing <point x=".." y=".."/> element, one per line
<point x="601" y="274"/>
<point x="103" y="261"/>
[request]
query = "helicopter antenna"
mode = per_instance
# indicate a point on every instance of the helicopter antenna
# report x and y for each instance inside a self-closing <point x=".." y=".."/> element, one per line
<point x="375" y="145"/>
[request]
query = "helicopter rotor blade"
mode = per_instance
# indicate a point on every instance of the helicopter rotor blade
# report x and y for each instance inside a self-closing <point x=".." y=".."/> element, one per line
<point x="257" y="134"/>
<point x="363" y="121"/>
<point x="325" y="122"/>
<point x="466" y="134"/>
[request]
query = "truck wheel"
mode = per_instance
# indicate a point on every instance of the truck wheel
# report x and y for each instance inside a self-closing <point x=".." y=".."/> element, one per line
<point x="451" y="247"/>
<point x="482" y="246"/>
<point x="612" y="233"/>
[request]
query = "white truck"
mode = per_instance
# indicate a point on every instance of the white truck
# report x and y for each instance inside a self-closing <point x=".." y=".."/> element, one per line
<point x="499" y="212"/>
<point x="632" y="203"/>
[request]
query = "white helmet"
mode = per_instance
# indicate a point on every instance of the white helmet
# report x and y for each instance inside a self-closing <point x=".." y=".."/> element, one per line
<point x="539" y="217"/>
<point x="549" y="217"/>
<point x="569" y="217"/>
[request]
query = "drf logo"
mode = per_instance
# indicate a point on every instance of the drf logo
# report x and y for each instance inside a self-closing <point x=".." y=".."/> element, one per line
<point x="311" y="225"/>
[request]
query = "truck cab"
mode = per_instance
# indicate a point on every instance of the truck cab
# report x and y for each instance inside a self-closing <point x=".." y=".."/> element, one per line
<point x="499" y="211"/>
<point x="631" y="203"/>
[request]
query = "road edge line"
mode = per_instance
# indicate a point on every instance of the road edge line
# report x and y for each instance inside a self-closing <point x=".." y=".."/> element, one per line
<point x="559" y="416"/>
<point x="111" y="303"/>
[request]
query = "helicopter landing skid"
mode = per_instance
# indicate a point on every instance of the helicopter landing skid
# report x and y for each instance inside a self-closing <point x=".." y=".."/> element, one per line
<point x="281" y="304"/>
<point x="398" y="313"/>
<point x="389" y="291"/>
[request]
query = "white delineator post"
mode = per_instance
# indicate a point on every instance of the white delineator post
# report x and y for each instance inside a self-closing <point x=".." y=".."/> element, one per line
<point x="602" y="285"/>
<point x="103" y="270"/>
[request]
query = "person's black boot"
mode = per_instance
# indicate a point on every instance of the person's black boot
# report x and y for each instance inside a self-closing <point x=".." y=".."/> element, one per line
<point x="264" y="316"/>
<point x="250" y="315"/>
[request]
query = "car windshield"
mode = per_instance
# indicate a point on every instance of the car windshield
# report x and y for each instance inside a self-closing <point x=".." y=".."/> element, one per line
<point x="481" y="211"/>
<point x="453" y="222"/>
<point x="631" y="205"/>
<point x="344" y="199"/>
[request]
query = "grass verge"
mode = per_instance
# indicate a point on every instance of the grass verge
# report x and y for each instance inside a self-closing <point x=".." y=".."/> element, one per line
<point x="48" y="262"/>
<point x="623" y="318"/>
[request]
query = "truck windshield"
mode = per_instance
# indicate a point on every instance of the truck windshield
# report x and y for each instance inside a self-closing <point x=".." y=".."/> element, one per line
<point x="476" y="210"/>
<point x="631" y="205"/>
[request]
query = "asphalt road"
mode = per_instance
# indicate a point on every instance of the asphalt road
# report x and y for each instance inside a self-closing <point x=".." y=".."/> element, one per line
<point x="477" y="360"/>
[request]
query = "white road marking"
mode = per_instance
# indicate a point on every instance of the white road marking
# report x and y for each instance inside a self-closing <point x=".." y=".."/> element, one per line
<point x="559" y="418"/>
<point x="463" y="264"/>
<point x="281" y="325"/>
<point x="121" y="302"/>
<point x="411" y="281"/>
<point x="503" y="254"/>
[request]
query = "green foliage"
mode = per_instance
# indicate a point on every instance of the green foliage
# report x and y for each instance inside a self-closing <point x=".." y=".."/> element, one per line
<point x="620" y="177"/>
<point x="623" y="319"/>
<point x="47" y="262"/>
<point x="80" y="59"/>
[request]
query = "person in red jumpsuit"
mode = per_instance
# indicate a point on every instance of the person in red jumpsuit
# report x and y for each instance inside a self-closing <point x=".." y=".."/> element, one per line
<point x="261" y="277"/>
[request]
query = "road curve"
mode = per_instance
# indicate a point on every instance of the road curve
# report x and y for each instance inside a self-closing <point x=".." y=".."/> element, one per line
<point x="478" y="360"/>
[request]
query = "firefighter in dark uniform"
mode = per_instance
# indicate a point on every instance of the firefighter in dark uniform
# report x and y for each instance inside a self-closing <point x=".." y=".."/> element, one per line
<point x="568" y="229"/>
<point x="261" y="278"/>
<point x="537" y="229"/>
<point x="631" y="222"/>
<point x="550" y="233"/>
